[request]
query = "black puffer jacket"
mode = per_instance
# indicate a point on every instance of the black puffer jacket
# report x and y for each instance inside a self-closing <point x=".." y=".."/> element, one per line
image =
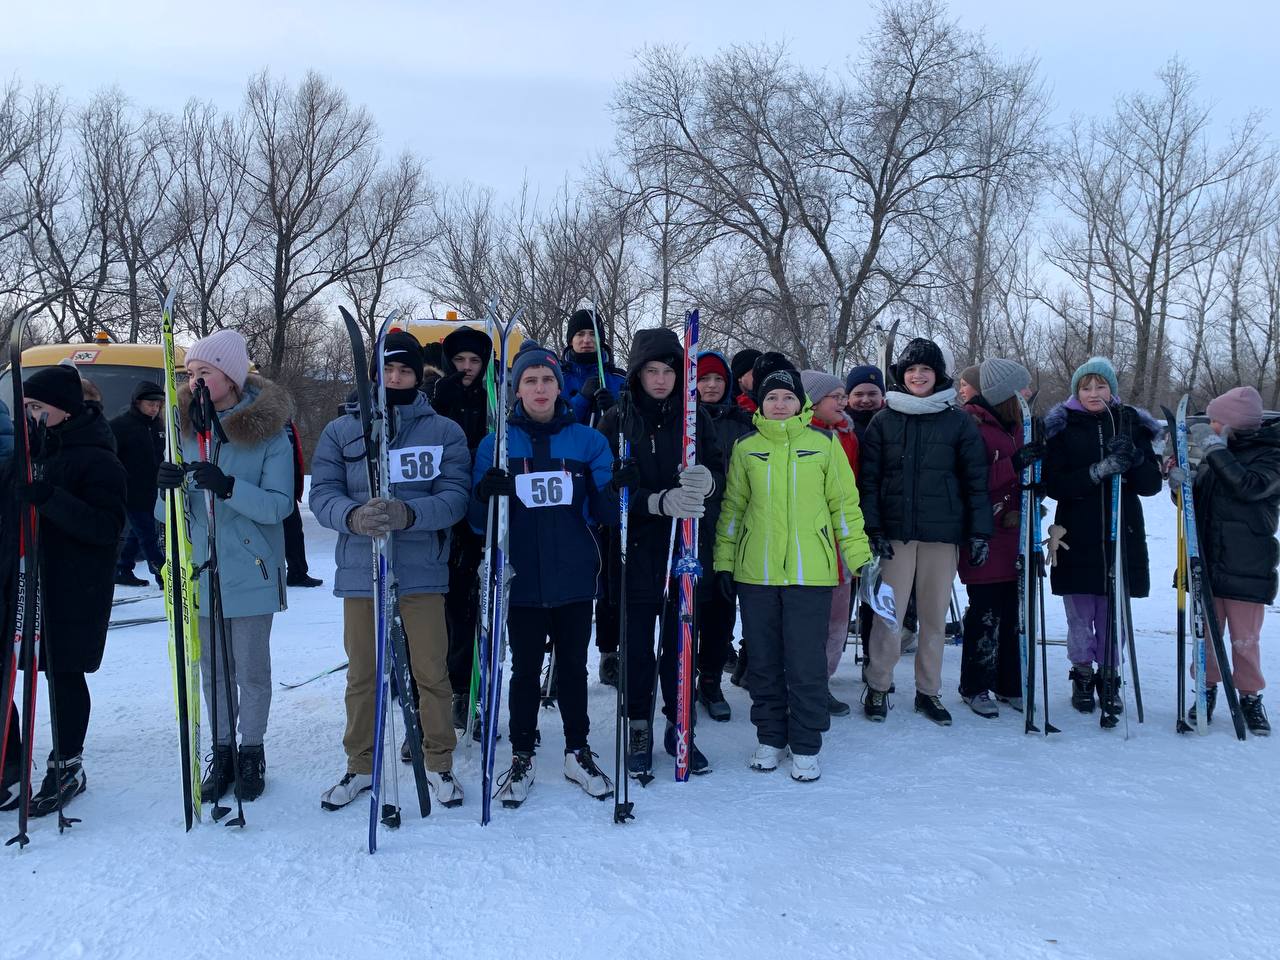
<point x="656" y="438"/>
<point x="731" y="422"/>
<point x="1076" y="440"/>
<point x="1237" y="495"/>
<point x="79" y="528"/>
<point x="140" y="448"/>
<point x="468" y="407"/>
<point x="923" y="477"/>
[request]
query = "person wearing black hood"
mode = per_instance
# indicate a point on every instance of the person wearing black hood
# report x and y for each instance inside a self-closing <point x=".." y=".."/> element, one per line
<point x="462" y="396"/>
<point x="660" y="493"/>
<point x="79" y="494"/>
<point x="581" y="362"/>
<point x="923" y="479"/>
<point x="139" y="435"/>
<point x="742" y="366"/>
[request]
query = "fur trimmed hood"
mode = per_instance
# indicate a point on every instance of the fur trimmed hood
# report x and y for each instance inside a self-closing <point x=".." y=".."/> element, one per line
<point x="1055" y="421"/>
<point x="260" y="415"/>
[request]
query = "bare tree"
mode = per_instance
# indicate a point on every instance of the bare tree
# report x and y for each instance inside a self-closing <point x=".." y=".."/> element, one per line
<point x="310" y="160"/>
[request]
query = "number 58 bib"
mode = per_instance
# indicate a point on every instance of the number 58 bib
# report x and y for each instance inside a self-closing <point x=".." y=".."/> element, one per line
<point x="415" y="464"/>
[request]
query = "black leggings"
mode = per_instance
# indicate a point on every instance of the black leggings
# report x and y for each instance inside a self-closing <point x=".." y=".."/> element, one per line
<point x="991" y="659"/>
<point x="72" y="692"/>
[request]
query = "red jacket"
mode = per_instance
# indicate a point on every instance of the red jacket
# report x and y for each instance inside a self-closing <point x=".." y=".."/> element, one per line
<point x="1006" y="499"/>
<point x="848" y="440"/>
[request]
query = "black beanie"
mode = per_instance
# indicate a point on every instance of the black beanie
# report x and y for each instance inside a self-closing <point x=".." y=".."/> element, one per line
<point x="57" y="386"/>
<point x="467" y="340"/>
<point x="743" y="361"/>
<point x="926" y="352"/>
<point x="773" y="371"/>
<point x="399" y="346"/>
<point x="147" y="390"/>
<point x="581" y="320"/>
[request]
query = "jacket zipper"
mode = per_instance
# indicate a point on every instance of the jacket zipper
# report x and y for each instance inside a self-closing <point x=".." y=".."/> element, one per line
<point x="263" y="567"/>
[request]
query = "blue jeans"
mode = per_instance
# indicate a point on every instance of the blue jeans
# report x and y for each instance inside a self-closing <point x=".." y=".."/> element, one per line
<point x="142" y="539"/>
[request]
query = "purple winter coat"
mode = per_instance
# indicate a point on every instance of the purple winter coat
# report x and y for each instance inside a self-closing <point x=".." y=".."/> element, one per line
<point x="1002" y="484"/>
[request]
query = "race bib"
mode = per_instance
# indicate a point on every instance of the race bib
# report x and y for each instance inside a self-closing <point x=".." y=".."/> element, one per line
<point x="547" y="488"/>
<point x="415" y="464"/>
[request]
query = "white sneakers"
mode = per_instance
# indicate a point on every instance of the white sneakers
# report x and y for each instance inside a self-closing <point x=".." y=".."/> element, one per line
<point x="447" y="790"/>
<point x="803" y="767"/>
<point x="345" y="790"/>
<point x="580" y="768"/>
<point x="766" y="758"/>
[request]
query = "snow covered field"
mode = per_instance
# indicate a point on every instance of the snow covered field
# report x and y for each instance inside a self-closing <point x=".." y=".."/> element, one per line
<point x="973" y="841"/>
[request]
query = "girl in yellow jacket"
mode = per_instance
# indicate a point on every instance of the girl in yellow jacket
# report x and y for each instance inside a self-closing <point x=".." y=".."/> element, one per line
<point x="790" y="503"/>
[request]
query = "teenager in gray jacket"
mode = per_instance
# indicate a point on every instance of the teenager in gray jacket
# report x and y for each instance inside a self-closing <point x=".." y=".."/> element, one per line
<point x="427" y="499"/>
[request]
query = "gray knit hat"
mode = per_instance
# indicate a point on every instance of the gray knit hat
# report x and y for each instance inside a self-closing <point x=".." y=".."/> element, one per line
<point x="1000" y="379"/>
<point x="818" y="384"/>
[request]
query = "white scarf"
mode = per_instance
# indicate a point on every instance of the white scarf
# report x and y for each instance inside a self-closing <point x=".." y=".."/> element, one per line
<point x="912" y="405"/>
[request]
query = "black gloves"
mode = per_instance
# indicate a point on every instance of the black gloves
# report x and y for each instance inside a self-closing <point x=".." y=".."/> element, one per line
<point x="208" y="476"/>
<point x="880" y="546"/>
<point x="979" y="551"/>
<point x="626" y="473"/>
<point x="1028" y="455"/>
<point x="170" y="476"/>
<point x="602" y="400"/>
<point x="36" y="493"/>
<point x="496" y="482"/>
<point x="725" y="586"/>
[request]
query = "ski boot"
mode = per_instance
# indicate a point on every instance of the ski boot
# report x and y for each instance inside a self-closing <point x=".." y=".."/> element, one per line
<point x="609" y="669"/>
<point x="931" y="707"/>
<point x="219" y="775"/>
<point x="1254" y="714"/>
<point x="1110" y="696"/>
<point x="712" y="698"/>
<point x="640" y="752"/>
<point x="875" y="705"/>
<point x="447" y="790"/>
<point x="253" y="772"/>
<point x="1082" y="685"/>
<point x="1211" y="701"/>
<point x="837" y="708"/>
<point x="58" y="790"/>
<point x="580" y="768"/>
<point x="345" y="791"/>
<point x="698" y="764"/>
<point x="515" y="784"/>
<point x="982" y="704"/>
<point x="126" y="578"/>
<point x="804" y="768"/>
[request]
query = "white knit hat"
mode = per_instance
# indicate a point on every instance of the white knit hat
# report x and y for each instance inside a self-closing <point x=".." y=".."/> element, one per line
<point x="223" y="350"/>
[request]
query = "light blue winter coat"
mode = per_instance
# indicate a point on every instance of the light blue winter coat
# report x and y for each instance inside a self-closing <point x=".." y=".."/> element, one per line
<point x="340" y="483"/>
<point x="250" y="523"/>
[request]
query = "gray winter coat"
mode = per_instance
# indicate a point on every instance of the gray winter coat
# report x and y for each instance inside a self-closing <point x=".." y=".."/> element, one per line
<point x="339" y="484"/>
<point x="250" y="523"/>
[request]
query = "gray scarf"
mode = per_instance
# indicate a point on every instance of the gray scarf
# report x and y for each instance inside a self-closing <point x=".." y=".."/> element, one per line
<point x="912" y="405"/>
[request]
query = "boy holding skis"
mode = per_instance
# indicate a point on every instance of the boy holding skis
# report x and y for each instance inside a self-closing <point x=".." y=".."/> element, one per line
<point x="557" y="478"/>
<point x="661" y="494"/>
<point x="418" y="519"/>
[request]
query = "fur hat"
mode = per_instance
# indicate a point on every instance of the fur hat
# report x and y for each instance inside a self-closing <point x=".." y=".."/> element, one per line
<point x="467" y="340"/>
<point x="921" y="351"/>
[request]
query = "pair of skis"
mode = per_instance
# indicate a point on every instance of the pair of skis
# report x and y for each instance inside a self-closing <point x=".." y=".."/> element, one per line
<point x="391" y="646"/>
<point x="1115" y="665"/>
<point x="495" y="572"/>
<point x="1195" y="591"/>
<point x="28" y="647"/>
<point x="1031" y="572"/>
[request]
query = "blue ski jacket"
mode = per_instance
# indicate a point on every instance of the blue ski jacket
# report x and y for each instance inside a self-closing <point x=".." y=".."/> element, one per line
<point x="582" y="380"/>
<point x="562" y="471"/>
<point x="250" y="523"/>
<point x="429" y="452"/>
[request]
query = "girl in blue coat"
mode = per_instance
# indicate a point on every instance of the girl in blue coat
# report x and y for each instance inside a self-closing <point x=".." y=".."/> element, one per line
<point x="251" y="475"/>
<point x="558" y="478"/>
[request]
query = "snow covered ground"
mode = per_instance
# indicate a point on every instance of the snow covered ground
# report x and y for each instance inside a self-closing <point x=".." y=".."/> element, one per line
<point x="973" y="841"/>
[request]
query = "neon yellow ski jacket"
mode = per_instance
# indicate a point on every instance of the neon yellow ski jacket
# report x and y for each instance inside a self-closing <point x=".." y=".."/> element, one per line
<point x="790" y="502"/>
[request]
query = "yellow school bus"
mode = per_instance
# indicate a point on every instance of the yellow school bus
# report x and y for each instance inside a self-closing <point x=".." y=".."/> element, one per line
<point x="434" y="330"/>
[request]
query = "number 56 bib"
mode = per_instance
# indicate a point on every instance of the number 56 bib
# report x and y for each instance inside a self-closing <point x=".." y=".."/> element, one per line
<point x="547" y="488"/>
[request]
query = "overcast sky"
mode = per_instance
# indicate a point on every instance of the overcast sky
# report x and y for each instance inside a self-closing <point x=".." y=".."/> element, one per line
<point x="494" y="92"/>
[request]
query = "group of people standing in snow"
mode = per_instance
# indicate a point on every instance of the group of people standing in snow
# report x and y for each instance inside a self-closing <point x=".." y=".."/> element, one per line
<point x="802" y="479"/>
